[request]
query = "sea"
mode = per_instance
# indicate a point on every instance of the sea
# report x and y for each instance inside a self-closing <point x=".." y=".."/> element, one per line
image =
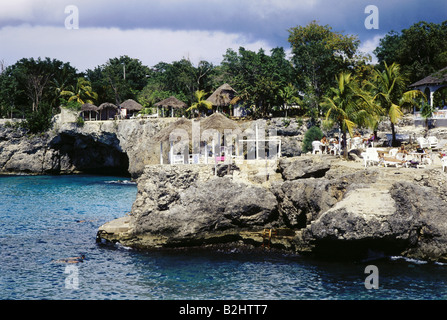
<point x="46" y="219"/>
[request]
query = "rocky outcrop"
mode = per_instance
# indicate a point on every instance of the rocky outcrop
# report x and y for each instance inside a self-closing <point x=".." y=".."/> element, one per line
<point x="320" y="206"/>
<point x="20" y="153"/>
<point x="106" y="147"/>
<point x="98" y="147"/>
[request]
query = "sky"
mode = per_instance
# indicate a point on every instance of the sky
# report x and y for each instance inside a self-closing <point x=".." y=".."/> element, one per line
<point x="87" y="33"/>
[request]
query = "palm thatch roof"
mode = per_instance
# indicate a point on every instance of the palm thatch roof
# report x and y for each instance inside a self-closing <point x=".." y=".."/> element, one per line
<point x="437" y="78"/>
<point x="182" y="124"/>
<point x="106" y="105"/>
<point x="218" y="122"/>
<point x="89" y="107"/>
<point x="131" y="105"/>
<point x="172" y="102"/>
<point x="222" y="96"/>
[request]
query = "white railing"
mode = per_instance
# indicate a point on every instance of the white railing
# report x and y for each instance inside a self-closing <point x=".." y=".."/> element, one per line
<point x="438" y="114"/>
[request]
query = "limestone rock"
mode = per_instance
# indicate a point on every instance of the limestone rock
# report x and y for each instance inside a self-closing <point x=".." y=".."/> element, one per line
<point x="182" y="204"/>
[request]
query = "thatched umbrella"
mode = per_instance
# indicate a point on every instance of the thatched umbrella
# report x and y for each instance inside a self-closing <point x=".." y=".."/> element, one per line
<point x="107" y="110"/>
<point x="215" y="127"/>
<point x="182" y="128"/>
<point x="218" y="122"/>
<point x="222" y="97"/>
<point x="131" y="106"/>
<point x="181" y="124"/>
<point x="88" y="108"/>
<point x="172" y="103"/>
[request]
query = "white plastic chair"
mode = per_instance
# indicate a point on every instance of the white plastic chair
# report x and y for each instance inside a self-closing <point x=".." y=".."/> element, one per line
<point x="335" y="148"/>
<point x="433" y="142"/>
<point x="178" y="159"/>
<point x="356" y="142"/>
<point x="316" y="147"/>
<point x="370" y="157"/>
<point x="444" y="163"/>
<point x="423" y="143"/>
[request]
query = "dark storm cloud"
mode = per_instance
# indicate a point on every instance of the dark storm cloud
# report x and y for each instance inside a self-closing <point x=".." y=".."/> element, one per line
<point x="256" y="19"/>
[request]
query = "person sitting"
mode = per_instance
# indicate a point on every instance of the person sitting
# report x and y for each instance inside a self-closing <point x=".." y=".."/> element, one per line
<point x="368" y="141"/>
<point x="324" y="144"/>
<point x="403" y="150"/>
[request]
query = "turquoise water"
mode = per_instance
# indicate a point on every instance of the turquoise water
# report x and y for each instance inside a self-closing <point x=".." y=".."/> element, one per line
<point x="45" y="218"/>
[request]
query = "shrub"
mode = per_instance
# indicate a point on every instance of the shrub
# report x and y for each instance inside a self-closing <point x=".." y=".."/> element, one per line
<point x="314" y="133"/>
<point x="80" y="122"/>
<point x="37" y="122"/>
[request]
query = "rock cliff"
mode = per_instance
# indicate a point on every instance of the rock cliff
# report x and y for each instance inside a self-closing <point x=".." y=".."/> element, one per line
<point x="103" y="147"/>
<point x="317" y="205"/>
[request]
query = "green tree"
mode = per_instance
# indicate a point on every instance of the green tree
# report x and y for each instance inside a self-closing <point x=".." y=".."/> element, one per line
<point x="319" y="54"/>
<point x="257" y="77"/>
<point x="349" y="106"/>
<point x="201" y="104"/>
<point x="420" y="50"/>
<point x="390" y="93"/>
<point x="30" y="85"/>
<point x="119" y="79"/>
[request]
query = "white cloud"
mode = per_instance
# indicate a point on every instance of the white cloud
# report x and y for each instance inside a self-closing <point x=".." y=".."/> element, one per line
<point x="370" y="45"/>
<point x="87" y="48"/>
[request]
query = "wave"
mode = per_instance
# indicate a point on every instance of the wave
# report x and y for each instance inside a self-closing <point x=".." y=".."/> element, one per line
<point x="121" y="182"/>
<point x="410" y="260"/>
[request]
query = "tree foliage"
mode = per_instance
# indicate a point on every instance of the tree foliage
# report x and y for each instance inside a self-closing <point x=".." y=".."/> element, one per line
<point x="420" y="50"/>
<point x="319" y="54"/>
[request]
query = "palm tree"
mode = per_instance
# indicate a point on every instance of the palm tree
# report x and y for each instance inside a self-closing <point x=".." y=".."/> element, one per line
<point x="200" y="103"/>
<point x="82" y="93"/>
<point x="349" y="106"/>
<point x="389" y="86"/>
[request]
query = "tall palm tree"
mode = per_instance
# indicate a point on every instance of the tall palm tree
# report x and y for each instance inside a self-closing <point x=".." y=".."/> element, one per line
<point x="201" y="103"/>
<point x="349" y="106"/>
<point x="389" y="86"/>
<point x="82" y="93"/>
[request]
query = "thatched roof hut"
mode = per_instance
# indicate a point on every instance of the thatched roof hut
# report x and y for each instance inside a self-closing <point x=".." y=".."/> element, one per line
<point x="437" y="78"/>
<point x="131" y="105"/>
<point x="107" y="105"/>
<point x="222" y="96"/>
<point x="107" y="110"/>
<point x="89" y="107"/>
<point x="89" y="111"/>
<point x="171" y="103"/>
